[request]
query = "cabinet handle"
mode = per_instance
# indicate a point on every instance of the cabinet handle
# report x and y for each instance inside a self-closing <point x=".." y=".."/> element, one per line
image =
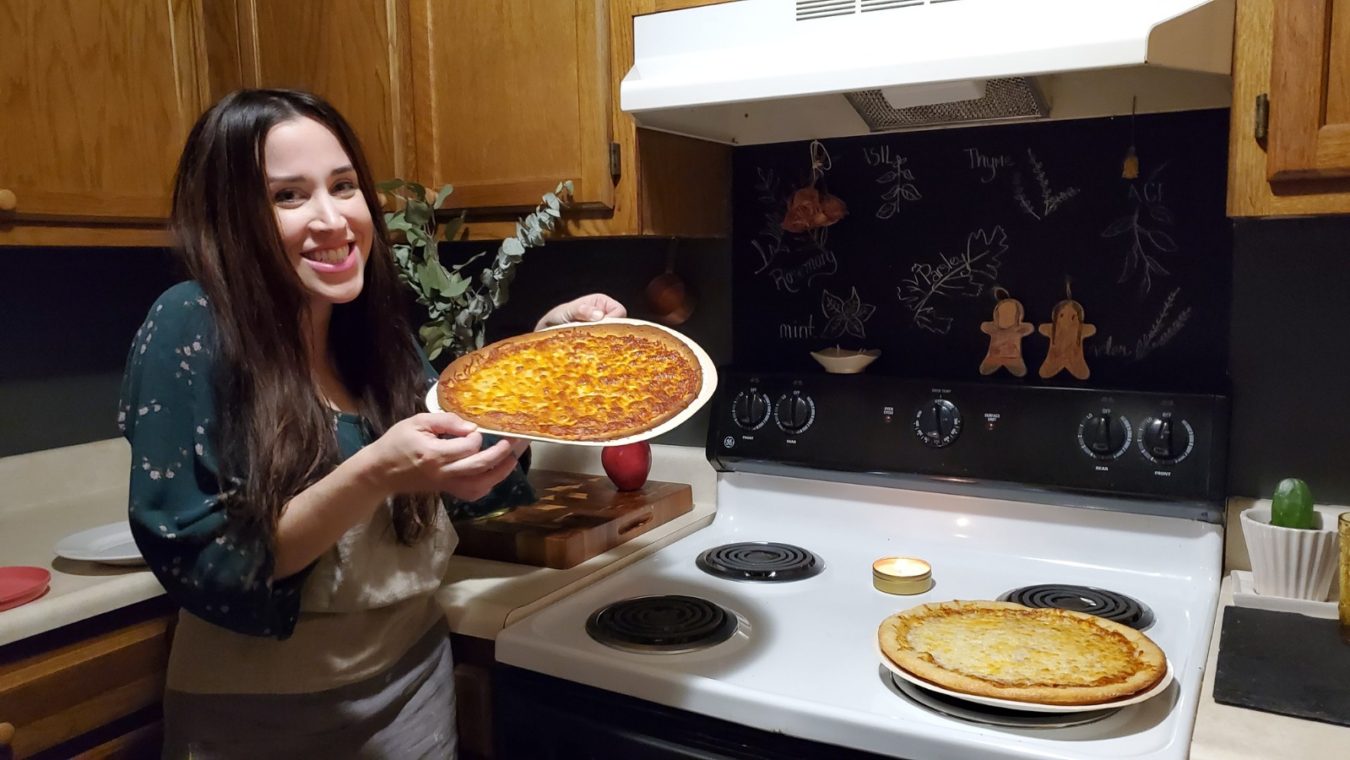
<point x="8" y="200"/>
<point x="6" y="737"/>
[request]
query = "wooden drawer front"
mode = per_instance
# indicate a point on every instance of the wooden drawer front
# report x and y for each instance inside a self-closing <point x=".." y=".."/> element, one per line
<point x="55" y="696"/>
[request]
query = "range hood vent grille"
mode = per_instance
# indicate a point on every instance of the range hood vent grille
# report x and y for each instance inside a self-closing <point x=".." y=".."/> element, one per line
<point x="809" y="10"/>
<point x="1004" y="99"/>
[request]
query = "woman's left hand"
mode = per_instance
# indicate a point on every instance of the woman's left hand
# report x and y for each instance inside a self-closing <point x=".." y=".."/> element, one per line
<point x="591" y="308"/>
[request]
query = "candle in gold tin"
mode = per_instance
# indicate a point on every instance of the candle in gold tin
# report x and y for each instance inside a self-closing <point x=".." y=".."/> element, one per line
<point x="902" y="575"/>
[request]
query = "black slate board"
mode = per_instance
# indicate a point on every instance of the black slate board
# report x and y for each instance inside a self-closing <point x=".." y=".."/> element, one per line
<point x="1283" y="663"/>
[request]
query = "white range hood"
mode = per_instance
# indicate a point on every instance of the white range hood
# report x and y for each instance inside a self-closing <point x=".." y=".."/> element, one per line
<point x="759" y="71"/>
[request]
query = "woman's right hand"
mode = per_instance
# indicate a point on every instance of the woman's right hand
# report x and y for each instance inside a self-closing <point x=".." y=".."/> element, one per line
<point x="413" y="457"/>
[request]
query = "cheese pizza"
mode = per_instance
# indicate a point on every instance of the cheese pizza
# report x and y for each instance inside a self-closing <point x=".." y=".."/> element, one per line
<point x="1007" y="651"/>
<point x="586" y="382"/>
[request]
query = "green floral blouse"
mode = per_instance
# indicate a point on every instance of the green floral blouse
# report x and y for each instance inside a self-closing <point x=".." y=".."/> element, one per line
<point x="168" y="412"/>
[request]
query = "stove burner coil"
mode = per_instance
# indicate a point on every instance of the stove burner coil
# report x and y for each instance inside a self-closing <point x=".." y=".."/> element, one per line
<point x="760" y="561"/>
<point x="1094" y="601"/>
<point x="661" y="624"/>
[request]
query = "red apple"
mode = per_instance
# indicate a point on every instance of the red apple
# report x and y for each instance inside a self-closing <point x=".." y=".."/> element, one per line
<point x="627" y="465"/>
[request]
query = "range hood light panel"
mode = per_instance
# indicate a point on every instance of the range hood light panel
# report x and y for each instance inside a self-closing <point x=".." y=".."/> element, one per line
<point x="908" y="96"/>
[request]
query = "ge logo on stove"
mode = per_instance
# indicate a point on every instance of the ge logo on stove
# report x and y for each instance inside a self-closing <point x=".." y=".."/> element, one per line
<point x="728" y="442"/>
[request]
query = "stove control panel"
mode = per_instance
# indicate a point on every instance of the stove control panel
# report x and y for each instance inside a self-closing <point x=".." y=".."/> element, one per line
<point x="1096" y="440"/>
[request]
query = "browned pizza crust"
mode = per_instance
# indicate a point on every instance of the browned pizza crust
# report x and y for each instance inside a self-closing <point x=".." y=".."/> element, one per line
<point x="1007" y="651"/>
<point x="587" y="382"/>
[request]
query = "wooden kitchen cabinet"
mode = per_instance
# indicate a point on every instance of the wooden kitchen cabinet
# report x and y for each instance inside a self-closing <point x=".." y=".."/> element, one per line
<point x="97" y="98"/>
<point x="92" y="689"/>
<point x="354" y="54"/>
<point x="501" y="98"/>
<point x="1295" y="53"/>
<point x="659" y="184"/>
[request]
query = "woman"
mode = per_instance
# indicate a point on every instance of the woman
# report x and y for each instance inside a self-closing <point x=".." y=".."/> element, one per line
<point x="286" y="483"/>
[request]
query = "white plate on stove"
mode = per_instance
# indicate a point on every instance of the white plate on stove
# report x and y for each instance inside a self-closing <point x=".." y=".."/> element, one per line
<point x="110" y="544"/>
<point x="705" y="364"/>
<point x="1009" y="704"/>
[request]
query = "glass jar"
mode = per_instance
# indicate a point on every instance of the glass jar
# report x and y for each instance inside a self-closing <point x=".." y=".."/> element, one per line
<point x="1343" y="528"/>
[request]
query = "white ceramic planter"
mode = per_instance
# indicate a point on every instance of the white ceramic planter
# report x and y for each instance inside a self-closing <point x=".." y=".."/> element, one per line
<point x="1289" y="562"/>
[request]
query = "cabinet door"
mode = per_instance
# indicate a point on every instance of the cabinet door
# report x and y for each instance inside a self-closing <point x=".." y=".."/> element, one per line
<point x="1258" y="70"/>
<point x="354" y="54"/>
<point x="1310" y="91"/>
<point x="513" y="97"/>
<point x="97" y="98"/>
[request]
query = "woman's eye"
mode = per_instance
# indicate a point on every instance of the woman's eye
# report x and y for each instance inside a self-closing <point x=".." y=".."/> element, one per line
<point x="345" y="187"/>
<point x="288" y="195"/>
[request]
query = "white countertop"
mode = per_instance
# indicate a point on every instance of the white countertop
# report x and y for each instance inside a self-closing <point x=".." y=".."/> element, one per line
<point x="47" y="495"/>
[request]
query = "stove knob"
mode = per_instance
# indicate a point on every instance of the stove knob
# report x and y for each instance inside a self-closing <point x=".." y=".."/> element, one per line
<point x="795" y="413"/>
<point x="750" y="410"/>
<point x="1104" y="436"/>
<point x="937" y="423"/>
<point x="1165" y="440"/>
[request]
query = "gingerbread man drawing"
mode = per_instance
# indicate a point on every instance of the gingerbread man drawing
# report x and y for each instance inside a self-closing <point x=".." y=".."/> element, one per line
<point x="1066" y="331"/>
<point x="1006" y="331"/>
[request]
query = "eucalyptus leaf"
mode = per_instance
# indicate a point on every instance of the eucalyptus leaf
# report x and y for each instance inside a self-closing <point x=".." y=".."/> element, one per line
<point x="442" y="194"/>
<point x="512" y="247"/>
<point x="389" y="184"/>
<point x="417" y="213"/>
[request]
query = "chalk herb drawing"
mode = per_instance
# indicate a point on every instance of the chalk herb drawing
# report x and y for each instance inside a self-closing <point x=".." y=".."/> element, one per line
<point x="770" y="243"/>
<point x="988" y="166"/>
<point x="1146" y="242"/>
<point x="1164" y="328"/>
<point x="965" y="274"/>
<point x="899" y="178"/>
<point x="846" y="315"/>
<point x="1049" y="200"/>
<point x="790" y="261"/>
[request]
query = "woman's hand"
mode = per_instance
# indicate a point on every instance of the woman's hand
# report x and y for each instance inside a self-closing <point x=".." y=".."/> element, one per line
<point x="591" y="308"/>
<point x="412" y="457"/>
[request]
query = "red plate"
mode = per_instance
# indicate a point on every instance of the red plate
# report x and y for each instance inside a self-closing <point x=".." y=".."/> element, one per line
<point x="20" y="585"/>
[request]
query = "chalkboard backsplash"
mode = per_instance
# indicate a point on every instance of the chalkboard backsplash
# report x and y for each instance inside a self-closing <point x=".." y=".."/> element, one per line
<point x="940" y="222"/>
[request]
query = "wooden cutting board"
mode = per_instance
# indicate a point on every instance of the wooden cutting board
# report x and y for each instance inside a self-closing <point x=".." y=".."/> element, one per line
<point x="577" y="517"/>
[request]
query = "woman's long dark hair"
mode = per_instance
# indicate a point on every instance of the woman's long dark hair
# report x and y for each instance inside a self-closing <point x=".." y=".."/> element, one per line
<point x="276" y="436"/>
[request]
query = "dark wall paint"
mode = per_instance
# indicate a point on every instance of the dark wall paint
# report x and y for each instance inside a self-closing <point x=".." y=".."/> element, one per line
<point x="67" y="317"/>
<point x="1290" y="357"/>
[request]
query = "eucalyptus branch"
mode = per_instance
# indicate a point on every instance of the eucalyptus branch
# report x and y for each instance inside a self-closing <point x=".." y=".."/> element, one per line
<point x="458" y="304"/>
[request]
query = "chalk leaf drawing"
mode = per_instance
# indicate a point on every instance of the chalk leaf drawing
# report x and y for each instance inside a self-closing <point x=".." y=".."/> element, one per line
<point x="962" y="275"/>
<point x="1164" y="328"/>
<point x="769" y="243"/>
<point x="1147" y="240"/>
<point x="898" y="178"/>
<point x="1049" y="200"/>
<point x="846" y="315"/>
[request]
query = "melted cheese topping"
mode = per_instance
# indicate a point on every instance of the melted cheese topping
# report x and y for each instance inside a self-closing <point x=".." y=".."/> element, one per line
<point x="1001" y="649"/>
<point x="578" y="384"/>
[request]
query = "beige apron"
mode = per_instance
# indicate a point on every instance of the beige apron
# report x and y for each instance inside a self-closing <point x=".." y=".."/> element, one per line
<point x="365" y="604"/>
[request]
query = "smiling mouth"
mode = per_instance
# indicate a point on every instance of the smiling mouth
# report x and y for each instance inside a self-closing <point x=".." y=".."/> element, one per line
<point x="329" y="255"/>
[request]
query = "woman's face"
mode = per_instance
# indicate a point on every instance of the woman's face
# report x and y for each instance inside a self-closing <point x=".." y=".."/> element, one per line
<point x="322" y="215"/>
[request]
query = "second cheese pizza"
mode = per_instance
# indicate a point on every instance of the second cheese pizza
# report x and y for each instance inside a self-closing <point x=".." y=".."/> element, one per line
<point x="1007" y="651"/>
<point x="584" y="382"/>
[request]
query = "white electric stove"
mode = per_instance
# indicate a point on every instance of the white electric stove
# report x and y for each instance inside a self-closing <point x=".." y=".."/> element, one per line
<point x="755" y="637"/>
